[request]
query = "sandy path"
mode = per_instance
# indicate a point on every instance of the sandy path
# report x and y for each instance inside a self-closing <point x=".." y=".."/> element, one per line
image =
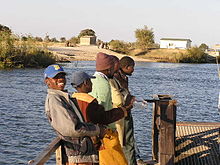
<point x="86" y="53"/>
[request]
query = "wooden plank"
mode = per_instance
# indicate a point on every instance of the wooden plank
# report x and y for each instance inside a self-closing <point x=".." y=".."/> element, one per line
<point x="47" y="152"/>
<point x="59" y="155"/>
<point x="155" y="131"/>
<point x="167" y="132"/>
<point x="197" y="143"/>
<point x="198" y="124"/>
<point x="163" y="130"/>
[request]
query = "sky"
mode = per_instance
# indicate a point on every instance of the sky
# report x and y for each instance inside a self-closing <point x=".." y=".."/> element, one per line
<point x="198" y="20"/>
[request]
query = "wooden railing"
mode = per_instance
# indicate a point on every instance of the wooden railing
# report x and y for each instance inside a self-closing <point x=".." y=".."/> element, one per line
<point x="45" y="155"/>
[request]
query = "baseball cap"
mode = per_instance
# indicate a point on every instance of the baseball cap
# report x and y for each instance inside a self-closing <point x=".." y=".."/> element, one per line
<point x="52" y="70"/>
<point x="79" y="77"/>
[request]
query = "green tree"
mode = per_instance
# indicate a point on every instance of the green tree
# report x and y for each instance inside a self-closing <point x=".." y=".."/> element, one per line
<point x="5" y="29"/>
<point x="24" y="38"/>
<point x="53" y="39"/>
<point x="73" y="41"/>
<point x="62" y="39"/>
<point x="47" y="38"/>
<point x="145" y="37"/>
<point x="38" y="39"/>
<point x="203" y="47"/>
<point x="86" y="32"/>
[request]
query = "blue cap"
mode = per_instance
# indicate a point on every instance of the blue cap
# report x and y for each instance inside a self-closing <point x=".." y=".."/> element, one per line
<point x="79" y="77"/>
<point x="52" y="70"/>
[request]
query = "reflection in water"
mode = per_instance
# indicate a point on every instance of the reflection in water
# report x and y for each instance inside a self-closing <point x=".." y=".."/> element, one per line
<point x="25" y="130"/>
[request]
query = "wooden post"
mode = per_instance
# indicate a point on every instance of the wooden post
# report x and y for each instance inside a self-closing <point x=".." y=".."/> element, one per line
<point x="59" y="155"/>
<point x="163" y="130"/>
<point x="155" y="131"/>
<point x="167" y="132"/>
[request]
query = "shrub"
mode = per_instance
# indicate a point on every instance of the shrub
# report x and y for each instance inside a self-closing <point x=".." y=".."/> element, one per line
<point x="119" y="46"/>
<point x="30" y="55"/>
<point x="194" y="55"/>
<point x="5" y="29"/>
<point x="47" y="38"/>
<point x="62" y="39"/>
<point x="203" y="47"/>
<point x="17" y="54"/>
<point x="39" y="39"/>
<point x="73" y="41"/>
<point x="53" y="39"/>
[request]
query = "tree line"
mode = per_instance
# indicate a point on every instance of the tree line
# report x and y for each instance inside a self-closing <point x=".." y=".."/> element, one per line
<point x="14" y="49"/>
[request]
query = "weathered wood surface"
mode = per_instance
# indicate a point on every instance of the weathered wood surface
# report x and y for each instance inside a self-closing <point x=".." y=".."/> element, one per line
<point x="163" y="131"/>
<point x="167" y="132"/>
<point x="44" y="156"/>
<point x="197" y="143"/>
<point x="155" y="132"/>
<point x="59" y="155"/>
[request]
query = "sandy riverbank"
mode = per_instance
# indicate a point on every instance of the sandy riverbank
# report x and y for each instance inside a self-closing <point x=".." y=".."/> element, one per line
<point x="85" y="53"/>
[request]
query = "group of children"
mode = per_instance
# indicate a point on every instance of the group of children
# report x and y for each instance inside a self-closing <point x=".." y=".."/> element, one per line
<point x="95" y="122"/>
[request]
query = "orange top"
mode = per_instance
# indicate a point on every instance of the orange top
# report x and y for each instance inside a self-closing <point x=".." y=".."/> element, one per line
<point x="83" y="100"/>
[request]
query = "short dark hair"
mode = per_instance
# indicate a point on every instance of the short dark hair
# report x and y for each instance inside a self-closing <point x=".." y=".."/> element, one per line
<point x="126" y="61"/>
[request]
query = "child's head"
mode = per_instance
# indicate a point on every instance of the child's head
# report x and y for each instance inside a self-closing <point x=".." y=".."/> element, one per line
<point x="127" y="65"/>
<point x="81" y="81"/>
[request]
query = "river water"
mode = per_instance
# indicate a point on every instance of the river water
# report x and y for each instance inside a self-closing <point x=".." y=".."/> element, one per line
<point x="24" y="129"/>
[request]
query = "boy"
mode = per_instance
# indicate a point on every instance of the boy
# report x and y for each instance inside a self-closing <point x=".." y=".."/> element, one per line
<point x="126" y="69"/>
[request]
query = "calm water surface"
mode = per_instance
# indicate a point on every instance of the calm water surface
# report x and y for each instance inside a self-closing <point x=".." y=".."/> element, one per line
<point x="24" y="129"/>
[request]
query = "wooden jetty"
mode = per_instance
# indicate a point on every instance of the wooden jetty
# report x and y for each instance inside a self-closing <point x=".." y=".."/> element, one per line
<point x="173" y="143"/>
<point x="197" y="143"/>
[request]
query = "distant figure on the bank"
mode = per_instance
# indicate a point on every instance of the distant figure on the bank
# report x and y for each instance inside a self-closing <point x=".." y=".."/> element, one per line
<point x="102" y="45"/>
<point x="98" y="43"/>
<point x="106" y="45"/>
<point x="67" y="44"/>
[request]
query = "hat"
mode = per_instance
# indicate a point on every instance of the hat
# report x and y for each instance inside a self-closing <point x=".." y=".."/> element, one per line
<point x="79" y="77"/>
<point x="52" y="70"/>
<point x="104" y="61"/>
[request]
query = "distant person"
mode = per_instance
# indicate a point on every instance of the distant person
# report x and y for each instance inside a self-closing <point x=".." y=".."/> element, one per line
<point x="67" y="43"/>
<point x="96" y="114"/>
<point x="126" y="69"/>
<point x="67" y="120"/>
<point x="106" y="45"/>
<point x="98" y="43"/>
<point x="101" y="45"/>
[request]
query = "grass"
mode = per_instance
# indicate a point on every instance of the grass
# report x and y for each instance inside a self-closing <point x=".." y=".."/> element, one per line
<point x="159" y="55"/>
